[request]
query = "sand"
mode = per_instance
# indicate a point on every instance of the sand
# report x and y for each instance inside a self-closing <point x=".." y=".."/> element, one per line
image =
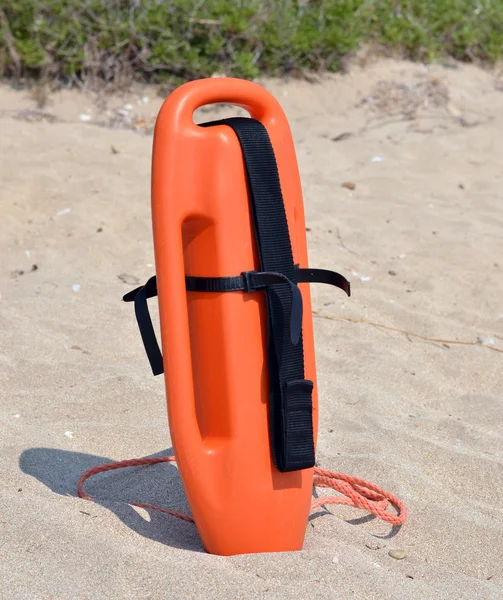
<point x="420" y="238"/>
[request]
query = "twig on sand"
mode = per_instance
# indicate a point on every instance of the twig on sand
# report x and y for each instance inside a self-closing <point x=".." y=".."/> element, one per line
<point x="342" y="244"/>
<point x="404" y="331"/>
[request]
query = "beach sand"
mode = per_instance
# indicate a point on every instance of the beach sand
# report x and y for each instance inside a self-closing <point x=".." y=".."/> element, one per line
<point x="421" y="239"/>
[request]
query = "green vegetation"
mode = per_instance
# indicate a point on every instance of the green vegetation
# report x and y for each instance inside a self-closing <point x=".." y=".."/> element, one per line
<point x="74" y="40"/>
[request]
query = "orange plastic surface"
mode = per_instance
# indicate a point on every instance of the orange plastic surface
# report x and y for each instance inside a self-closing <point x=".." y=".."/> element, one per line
<point x="214" y="344"/>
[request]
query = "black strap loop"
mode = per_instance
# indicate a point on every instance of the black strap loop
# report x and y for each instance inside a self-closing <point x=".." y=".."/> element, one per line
<point x="147" y="331"/>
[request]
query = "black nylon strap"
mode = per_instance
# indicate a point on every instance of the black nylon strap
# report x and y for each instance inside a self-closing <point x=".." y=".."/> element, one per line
<point x="256" y="280"/>
<point x="248" y="281"/>
<point x="286" y="360"/>
<point x="147" y="331"/>
<point x="323" y="276"/>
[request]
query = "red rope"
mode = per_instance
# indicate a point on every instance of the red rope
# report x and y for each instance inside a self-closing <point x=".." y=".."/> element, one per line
<point x="360" y="494"/>
<point x="355" y="492"/>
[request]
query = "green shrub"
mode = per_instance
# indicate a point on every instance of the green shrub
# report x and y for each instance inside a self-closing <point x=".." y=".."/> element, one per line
<point x="186" y="39"/>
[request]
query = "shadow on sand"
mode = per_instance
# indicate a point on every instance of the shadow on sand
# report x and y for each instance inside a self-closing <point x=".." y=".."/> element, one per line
<point x="159" y="485"/>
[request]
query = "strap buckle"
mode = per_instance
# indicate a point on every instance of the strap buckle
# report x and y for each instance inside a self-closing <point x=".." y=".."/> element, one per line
<point x="248" y="284"/>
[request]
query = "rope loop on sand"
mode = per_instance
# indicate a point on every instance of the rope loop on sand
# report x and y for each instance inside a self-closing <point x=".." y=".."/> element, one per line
<point x="355" y="492"/>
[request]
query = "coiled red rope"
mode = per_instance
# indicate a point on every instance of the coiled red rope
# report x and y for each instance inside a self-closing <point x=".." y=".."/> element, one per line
<point x="355" y="492"/>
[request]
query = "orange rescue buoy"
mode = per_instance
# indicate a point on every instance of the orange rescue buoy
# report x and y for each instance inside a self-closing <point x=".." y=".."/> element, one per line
<point x="235" y="313"/>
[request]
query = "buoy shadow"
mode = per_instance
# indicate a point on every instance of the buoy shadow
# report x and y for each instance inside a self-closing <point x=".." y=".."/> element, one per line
<point x="158" y="485"/>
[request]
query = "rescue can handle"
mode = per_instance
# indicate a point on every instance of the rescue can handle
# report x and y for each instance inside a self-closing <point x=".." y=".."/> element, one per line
<point x="252" y="97"/>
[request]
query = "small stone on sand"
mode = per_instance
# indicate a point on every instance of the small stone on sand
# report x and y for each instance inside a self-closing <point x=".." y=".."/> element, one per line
<point x="398" y="554"/>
